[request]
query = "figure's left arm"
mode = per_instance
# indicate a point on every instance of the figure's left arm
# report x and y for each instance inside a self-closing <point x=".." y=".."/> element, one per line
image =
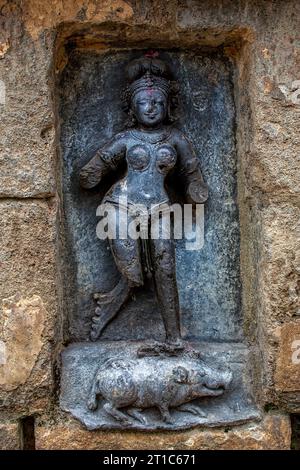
<point x="189" y="168"/>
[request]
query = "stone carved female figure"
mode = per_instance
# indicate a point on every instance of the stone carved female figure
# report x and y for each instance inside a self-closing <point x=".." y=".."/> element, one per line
<point x="152" y="148"/>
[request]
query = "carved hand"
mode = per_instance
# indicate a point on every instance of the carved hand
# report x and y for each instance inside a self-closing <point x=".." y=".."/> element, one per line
<point x="91" y="174"/>
<point x="197" y="192"/>
<point x="84" y="178"/>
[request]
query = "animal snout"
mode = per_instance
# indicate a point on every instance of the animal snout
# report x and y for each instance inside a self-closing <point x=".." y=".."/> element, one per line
<point x="224" y="378"/>
<point x="227" y="378"/>
<point x="218" y="379"/>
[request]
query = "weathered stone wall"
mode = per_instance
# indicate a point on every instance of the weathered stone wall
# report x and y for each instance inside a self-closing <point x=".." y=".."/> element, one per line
<point x="260" y="37"/>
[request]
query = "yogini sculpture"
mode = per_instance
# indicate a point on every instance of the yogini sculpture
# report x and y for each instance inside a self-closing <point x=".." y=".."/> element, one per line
<point x="152" y="148"/>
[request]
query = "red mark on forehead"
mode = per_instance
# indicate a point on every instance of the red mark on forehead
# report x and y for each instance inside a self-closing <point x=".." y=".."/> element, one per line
<point x="150" y="91"/>
<point x="152" y="54"/>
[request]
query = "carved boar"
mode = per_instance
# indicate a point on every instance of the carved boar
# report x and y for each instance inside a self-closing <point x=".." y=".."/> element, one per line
<point x="163" y="383"/>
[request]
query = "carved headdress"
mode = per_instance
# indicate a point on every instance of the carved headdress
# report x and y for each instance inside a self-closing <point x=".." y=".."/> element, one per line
<point x="148" y="72"/>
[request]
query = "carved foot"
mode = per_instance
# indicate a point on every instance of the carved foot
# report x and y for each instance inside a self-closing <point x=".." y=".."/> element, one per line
<point x="98" y="322"/>
<point x="174" y="346"/>
<point x="193" y="409"/>
<point x="166" y="417"/>
<point x="108" y="306"/>
<point x="92" y="404"/>
<point x="152" y="349"/>
<point x="136" y="414"/>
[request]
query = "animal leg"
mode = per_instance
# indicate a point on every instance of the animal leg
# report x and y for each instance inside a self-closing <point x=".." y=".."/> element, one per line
<point x="117" y="414"/>
<point x="136" y="414"/>
<point x="195" y="410"/>
<point x="92" y="400"/>
<point x="165" y="414"/>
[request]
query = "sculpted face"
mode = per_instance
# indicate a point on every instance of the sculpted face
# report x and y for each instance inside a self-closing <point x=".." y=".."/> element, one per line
<point x="150" y="107"/>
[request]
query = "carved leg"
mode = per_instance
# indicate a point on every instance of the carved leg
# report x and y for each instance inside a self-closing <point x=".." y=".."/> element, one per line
<point x="136" y="414"/>
<point x="163" y="255"/>
<point x="195" y="410"/>
<point x="116" y="414"/>
<point x="105" y="312"/>
<point x="126" y="254"/>
<point x="165" y="414"/>
<point x="92" y="400"/>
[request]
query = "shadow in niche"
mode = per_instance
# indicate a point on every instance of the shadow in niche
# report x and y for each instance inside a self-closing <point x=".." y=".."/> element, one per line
<point x="295" y="422"/>
<point x="27" y="433"/>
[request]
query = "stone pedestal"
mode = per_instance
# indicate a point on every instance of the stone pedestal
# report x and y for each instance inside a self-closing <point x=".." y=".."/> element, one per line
<point x="81" y="362"/>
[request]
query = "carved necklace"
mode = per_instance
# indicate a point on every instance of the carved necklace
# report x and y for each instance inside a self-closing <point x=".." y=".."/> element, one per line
<point x="151" y="137"/>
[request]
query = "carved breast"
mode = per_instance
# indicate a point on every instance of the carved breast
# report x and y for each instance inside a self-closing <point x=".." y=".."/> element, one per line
<point x="138" y="157"/>
<point x="165" y="158"/>
<point x="162" y="157"/>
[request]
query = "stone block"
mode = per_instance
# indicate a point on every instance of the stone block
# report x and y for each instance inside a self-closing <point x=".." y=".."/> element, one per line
<point x="279" y="262"/>
<point x="270" y="434"/>
<point x="287" y="375"/>
<point x="27" y="131"/>
<point x="273" y="166"/>
<point x="10" y="436"/>
<point x="23" y="326"/>
<point x="28" y="304"/>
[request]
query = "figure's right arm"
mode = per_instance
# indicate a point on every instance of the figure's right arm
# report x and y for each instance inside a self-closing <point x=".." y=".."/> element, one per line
<point x="105" y="160"/>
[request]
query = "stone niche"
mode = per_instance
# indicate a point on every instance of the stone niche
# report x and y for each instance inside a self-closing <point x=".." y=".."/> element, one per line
<point x="88" y="88"/>
<point x="90" y="111"/>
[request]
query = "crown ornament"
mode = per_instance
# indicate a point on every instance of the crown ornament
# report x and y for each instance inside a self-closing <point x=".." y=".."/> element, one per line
<point x="149" y="81"/>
